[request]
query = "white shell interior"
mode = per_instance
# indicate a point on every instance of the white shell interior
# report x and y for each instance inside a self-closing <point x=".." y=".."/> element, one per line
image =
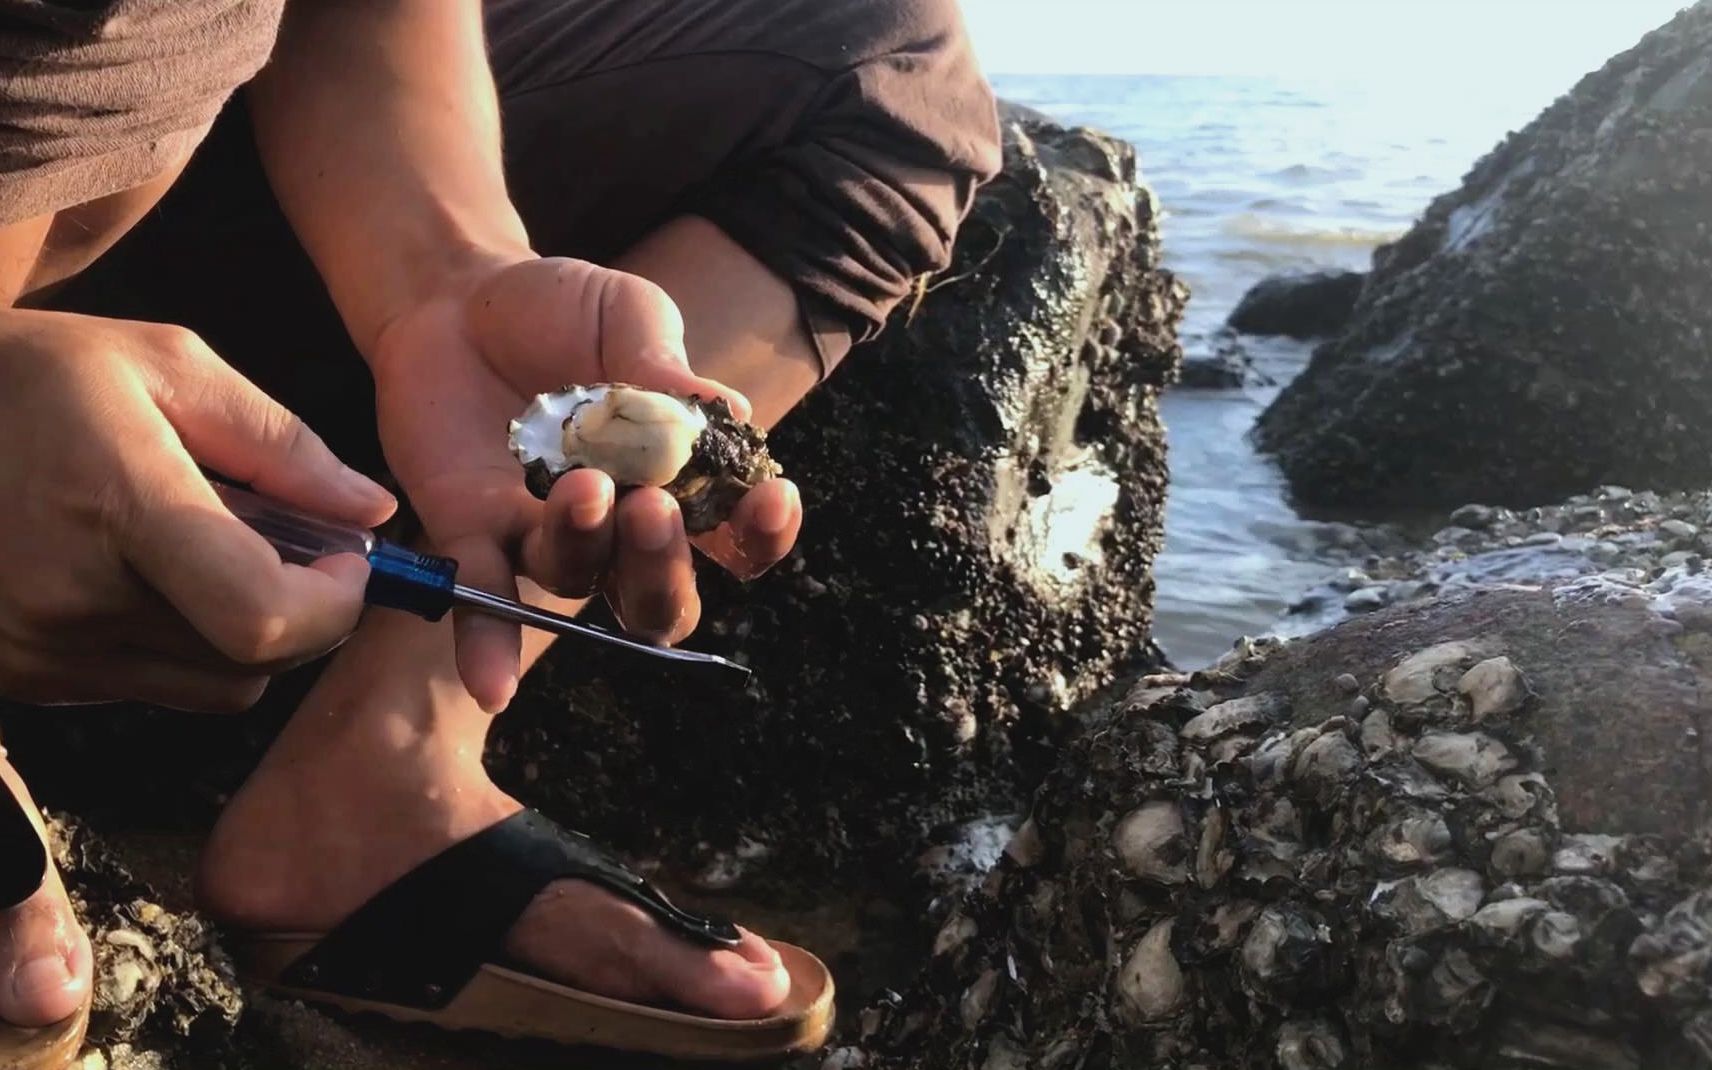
<point x="551" y="431"/>
<point x="539" y="434"/>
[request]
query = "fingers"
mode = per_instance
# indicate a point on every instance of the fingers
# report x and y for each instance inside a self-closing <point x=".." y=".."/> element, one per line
<point x="490" y="650"/>
<point x="568" y="552"/>
<point x="642" y="332"/>
<point x="670" y="373"/>
<point x="760" y="532"/>
<point x="56" y="678"/>
<point x="148" y="625"/>
<point x="226" y="580"/>
<point x="652" y="588"/>
<point x="229" y="424"/>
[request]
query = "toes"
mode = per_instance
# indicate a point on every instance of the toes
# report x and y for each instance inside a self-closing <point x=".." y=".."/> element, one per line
<point x="748" y="982"/>
<point x="757" y="951"/>
<point x="587" y="938"/>
<point x="45" y="959"/>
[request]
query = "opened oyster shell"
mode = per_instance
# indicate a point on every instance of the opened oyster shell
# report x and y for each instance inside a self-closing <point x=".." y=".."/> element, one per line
<point x="697" y="451"/>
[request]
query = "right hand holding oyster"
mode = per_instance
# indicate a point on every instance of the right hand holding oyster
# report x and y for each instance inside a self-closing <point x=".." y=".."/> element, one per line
<point x="452" y="374"/>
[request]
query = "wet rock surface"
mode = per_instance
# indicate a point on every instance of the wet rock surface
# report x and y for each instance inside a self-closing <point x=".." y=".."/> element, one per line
<point x="1630" y="535"/>
<point x="1228" y="367"/>
<point x="1309" y="305"/>
<point x="1541" y="330"/>
<point x="1462" y="835"/>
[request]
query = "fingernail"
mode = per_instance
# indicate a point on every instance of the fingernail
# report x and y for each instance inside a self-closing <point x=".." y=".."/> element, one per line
<point x="775" y="516"/>
<point x="588" y="514"/>
<point x="653" y="533"/>
<point x="367" y="489"/>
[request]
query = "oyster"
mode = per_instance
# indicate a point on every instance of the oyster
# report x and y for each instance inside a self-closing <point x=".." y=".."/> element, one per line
<point x="696" y="450"/>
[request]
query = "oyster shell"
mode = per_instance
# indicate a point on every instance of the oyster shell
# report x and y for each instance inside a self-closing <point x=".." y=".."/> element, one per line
<point x="695" y="450"/>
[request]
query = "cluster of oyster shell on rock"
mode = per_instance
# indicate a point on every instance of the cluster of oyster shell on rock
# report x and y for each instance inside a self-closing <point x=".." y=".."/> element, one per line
<point x="695" y="450"/>
<point x="1211" y="880"/>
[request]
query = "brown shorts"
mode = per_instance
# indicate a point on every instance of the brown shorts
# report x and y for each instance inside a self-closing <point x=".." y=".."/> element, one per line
<point x="839" y="141"/>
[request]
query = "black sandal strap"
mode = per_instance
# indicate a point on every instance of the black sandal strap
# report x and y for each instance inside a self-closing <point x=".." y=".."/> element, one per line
<point x="23" y="856"/>
<point x="419" y="941"/>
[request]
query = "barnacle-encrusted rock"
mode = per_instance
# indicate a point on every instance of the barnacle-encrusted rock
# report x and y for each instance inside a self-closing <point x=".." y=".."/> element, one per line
<point x="1510" y="873"/>
<point x="160" y="979"/>
<point x="1542" y="329"/>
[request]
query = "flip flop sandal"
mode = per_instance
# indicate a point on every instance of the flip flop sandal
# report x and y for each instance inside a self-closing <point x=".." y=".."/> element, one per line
<point x="429" y="948"/>
<point x="23" y="867"/>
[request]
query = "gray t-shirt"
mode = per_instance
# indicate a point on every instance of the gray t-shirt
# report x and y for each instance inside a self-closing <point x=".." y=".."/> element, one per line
<point x="100" y="96"/>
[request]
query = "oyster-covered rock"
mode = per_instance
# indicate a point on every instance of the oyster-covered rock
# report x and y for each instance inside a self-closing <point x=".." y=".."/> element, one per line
<point x="695" y="450"/>
<point x="1408" y="892"/>
<point x="1541" y="330"/>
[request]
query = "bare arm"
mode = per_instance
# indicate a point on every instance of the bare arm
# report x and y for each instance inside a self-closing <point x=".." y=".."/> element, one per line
<point x="379" y="128"/>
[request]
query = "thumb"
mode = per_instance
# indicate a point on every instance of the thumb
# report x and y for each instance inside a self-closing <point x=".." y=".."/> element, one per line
<point x="642" y="342"/>
<point x="228" y="424"/>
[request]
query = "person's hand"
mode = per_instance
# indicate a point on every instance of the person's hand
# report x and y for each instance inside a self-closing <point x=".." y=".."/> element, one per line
<point x="121" y="574"/>
<point x="451" y="373"/>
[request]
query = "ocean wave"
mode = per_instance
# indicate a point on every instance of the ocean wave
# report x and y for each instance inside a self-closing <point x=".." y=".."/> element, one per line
<point x="1350" y="167"/>
<point x="1259" y="228"/>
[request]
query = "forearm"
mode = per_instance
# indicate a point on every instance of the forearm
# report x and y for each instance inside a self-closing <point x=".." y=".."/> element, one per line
<point x="378" y="124"/>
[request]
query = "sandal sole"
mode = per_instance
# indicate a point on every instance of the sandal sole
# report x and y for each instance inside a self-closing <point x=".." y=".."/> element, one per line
<point x="518" y="1005"/>
<point x="52" y="1047"/>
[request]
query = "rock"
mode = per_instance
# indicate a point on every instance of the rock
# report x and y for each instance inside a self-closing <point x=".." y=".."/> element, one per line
<point x="1493" y="688"/>
<point x="1542" y="329"/>
<point x="1228" y="367"/>
<point x="1310" y="305"/>
<point x="1365" y="600"/>
<point x="1474" y="517"/>
<point x="1535" y="892"/>
<point x="1222" y="371"/>
<point x="1150" y="987"/>
<point x="1151" y="844"/>
<point x="161" y="982"/>
<point x="1611" y="529"/>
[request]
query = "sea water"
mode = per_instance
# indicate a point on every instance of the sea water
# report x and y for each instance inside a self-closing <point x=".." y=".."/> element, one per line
<point x="1258" y="176"/>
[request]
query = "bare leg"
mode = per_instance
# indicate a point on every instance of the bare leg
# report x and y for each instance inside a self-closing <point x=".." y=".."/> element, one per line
<point x="381" y="767"/>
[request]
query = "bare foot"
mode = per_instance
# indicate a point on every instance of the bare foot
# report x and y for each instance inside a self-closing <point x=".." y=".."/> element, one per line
<point x="45" y="960"/>
<point x="355" y="793"/>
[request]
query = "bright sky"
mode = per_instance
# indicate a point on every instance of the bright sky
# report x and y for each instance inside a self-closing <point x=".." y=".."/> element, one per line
<point x="1556" y="40"/>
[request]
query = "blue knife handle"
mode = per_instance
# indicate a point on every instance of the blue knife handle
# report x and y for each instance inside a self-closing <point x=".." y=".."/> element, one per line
<point x="399" y="578"/>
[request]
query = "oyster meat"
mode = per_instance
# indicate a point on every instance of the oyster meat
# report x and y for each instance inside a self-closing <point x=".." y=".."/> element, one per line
<point x="696" y="450"/>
